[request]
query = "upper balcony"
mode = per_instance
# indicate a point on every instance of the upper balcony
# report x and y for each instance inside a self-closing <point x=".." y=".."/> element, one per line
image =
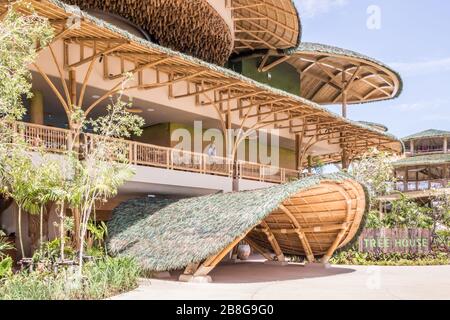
<point x="56" y="140"/>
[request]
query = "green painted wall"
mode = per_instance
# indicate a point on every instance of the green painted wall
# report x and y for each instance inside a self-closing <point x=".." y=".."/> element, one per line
<point x="284" y="76"/>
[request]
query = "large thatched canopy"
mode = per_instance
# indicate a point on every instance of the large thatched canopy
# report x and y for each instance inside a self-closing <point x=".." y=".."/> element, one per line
<point x="326" y="71"/>
<point x="311" y="217"/>
<point x="265" y="24"/>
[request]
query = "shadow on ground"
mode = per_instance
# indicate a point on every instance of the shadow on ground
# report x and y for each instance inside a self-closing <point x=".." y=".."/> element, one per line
<point x="256" y="272"/>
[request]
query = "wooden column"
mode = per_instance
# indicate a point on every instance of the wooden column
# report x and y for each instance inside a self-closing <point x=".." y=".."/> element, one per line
<point x="297" y="151"/>
<point x="445" y="145"/>
<point x="73" y="86"/>
<point x="411" y="144"/>
<point x="344" y="115"/>
<point x="310" y="164"/>
<point x="405" y="180"/>
<point x="37" y="107"/>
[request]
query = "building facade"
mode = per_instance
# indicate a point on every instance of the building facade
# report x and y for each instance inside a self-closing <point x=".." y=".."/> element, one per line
<point x="201" y="69"/>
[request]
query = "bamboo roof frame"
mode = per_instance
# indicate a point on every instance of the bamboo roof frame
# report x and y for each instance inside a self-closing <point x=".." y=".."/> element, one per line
<point x="265" y="24"/>
<point x="328" y="72"/>
<point x="274" y="108"/>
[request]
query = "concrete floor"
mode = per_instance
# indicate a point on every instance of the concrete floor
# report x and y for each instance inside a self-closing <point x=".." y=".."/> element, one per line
<point x="258" y="281"/>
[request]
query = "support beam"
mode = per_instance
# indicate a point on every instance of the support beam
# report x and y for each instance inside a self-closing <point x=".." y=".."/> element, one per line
<point x="304" y="241"/>
<point x="258" y="249"/>
<point x="273" y="241"/>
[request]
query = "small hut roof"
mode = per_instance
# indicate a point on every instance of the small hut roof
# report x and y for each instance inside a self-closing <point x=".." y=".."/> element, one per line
<point x="168" y="234"/>
<point x="431" y="133"/>
<point x="432" y="159"/>
<point x="266" y="24"/>
<point x="322" y="66"/>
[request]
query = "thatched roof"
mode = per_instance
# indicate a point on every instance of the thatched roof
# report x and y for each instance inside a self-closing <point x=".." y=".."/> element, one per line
<point x="432" y="159"/>
<point x="266" y="24"/>
<point x="168" y="234"/>
<point x="375" y="125"/>
<point x="192" y="27"/>
<point x="321" y="68"/>
<point x="431" y="133"/>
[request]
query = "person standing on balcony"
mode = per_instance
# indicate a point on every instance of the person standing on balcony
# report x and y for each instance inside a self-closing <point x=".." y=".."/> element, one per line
<point x="212" y="151"/>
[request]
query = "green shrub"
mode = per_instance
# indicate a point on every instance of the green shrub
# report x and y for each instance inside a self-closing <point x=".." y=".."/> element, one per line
<point x="101" y="279"/>
<point x="354" y="257"/>
<point x="6" y="267"/>
<point x="110" y="276"/>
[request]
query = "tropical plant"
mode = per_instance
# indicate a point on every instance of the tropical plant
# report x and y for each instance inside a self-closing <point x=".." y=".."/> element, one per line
<point x="406" y="213"/>
<point x="103" y="278"/>
<point x="5" y="245"/>
<point x="375" y="170"/>
<point x="19" y="35"/>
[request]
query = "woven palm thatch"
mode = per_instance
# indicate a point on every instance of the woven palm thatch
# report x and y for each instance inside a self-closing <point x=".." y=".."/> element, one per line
<point x="375" y="125"/>
<point x="432" y="159"/>
<point x="431" y="133"/>
<point x="192" y="27"/>
<point x="168" y="234"/>
<point x="321" y="67"/>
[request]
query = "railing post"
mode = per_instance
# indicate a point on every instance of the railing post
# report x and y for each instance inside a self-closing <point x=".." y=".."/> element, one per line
<point x="171" y="158"/>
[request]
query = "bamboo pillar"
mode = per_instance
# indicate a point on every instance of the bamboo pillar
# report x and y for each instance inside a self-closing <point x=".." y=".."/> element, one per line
<point x="310" y="164"/>
<point x="73" y="86"/>
<point x="37" y="107"/>
<point x="445" y="145"/>
<point x="345" y="161"/>
<point x="297" y="152"/>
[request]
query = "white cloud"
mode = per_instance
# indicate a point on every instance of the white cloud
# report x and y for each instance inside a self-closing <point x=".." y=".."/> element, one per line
<point x="424" y="105"/>
<point x="422" y="67"/>
<point x="311" y="8"/>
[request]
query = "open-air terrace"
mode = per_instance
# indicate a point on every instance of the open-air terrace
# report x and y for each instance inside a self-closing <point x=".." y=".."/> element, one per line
<point x="57" y="140"/>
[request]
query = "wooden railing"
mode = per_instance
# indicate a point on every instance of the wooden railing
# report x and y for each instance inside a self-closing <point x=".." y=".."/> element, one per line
<point x="58" y="140"/>
<point x="412" y="186"/>
<point x="265" y="173"/>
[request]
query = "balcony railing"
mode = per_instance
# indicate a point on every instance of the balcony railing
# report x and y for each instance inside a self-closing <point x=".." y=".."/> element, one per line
<point x="58" y="140"/>
<point x="265" y="173"/>
<point x="421" y="185"/>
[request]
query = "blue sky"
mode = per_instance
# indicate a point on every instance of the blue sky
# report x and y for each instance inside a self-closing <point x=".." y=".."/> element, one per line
<point x="414" y="39"/>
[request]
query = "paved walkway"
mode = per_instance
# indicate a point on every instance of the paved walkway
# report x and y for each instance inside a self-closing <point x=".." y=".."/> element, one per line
<point x="259" y="281"/>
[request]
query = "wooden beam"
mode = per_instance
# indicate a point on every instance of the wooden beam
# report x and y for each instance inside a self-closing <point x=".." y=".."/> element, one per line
<point x="139" y="68"/>
<point x="273" y="241"/>
<point x="95" y="56"/>
<point x="304" y="241"/>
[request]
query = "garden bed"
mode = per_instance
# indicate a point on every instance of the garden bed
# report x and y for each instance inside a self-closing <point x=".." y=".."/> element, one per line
<point x="101" y="279"/>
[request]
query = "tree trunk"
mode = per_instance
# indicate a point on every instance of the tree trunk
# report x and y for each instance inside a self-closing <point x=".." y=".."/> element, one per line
<point x="33" y="231"/>
<point x="61" y="231"/>
<point x="76" y="231"/>
<point x="19" y="229"/>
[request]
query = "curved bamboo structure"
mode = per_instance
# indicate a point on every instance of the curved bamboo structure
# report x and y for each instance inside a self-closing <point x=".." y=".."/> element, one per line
<point x="328" y="73"/>
<point x="314" y="222"/>
<point x="265" y="24"/>
<point x="192" y="27"/>
<point x="312" y="217"/>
